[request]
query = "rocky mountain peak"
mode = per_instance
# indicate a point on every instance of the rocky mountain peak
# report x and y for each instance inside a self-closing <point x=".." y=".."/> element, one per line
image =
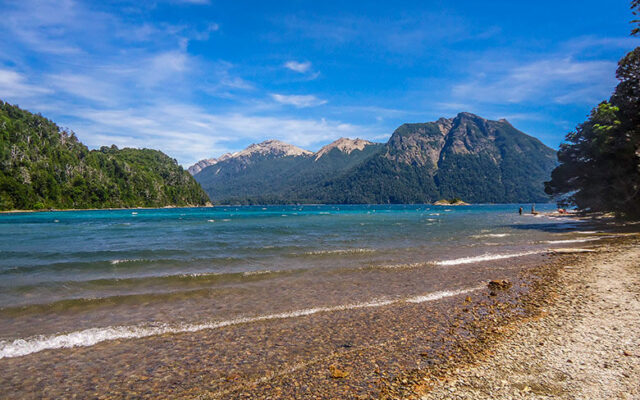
<point x="345" y="145"/>
<point x="274" y="148"/>
<point x="468" y="115"/>
<point x="425" y="144"/>
<point x="200" y="165"/>
<point x="444" y="125"/>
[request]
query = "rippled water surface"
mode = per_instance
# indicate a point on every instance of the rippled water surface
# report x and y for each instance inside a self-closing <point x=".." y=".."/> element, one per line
<point x="70" y="271"/>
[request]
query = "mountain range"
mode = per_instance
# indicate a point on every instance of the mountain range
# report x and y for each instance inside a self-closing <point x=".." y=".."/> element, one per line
<point x="467" y="157"/>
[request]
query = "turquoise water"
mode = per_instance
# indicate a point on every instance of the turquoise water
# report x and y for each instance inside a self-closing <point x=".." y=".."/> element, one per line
<point x="63" y="271"/>
<point x="52" y="255"/>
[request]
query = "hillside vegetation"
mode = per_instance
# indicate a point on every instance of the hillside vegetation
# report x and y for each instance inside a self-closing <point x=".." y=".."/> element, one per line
<point x="43" y="166"/>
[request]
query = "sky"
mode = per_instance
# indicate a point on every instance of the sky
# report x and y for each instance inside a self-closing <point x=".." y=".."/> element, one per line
<point x="200" y="78"/>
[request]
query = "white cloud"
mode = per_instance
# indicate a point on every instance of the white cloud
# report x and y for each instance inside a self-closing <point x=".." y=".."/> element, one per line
<point x="593" y="44"/>
<point x="301" y="67"/>
<point x="135" y="85"/>
<point x="300" y="101"/>
<point x="42" y="25"/>
<point x="84" y="86"/>
<point x="190" y="134"/>
<point x="164" y="66"/>
<point x="14" y="85"/>
<point x="561" y="80"/>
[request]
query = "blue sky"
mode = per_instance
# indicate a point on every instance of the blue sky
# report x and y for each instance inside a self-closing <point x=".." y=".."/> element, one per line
<point x="200" y="78"/>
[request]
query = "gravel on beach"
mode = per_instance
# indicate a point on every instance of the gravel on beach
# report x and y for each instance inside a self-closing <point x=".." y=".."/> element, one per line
<point x="566" y="327"/>
<point x="585" y="345"/>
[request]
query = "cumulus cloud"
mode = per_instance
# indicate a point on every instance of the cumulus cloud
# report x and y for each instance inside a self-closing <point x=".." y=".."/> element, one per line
<point x="300" y="101"/>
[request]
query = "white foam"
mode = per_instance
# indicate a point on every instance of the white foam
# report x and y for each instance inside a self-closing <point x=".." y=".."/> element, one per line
<point x="114" y="262"/>
<point x="339" y="251"/>
<point x="93" y="336"/>
<point x="198" y="274"/>
<point x="487" y="257"/>
<point x="441" y="295"/>
<point x="260" y="272"/>
<point x="402" y="266"/>
<point x="565" y="241"/>
<point x="491" y="235"/>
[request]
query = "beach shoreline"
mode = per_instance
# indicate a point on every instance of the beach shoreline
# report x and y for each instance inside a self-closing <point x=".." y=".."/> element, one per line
<point x="387" y="330"/>
<point x="399" y="350"/>
<point x="582" y="344"/>
<point x="247" y="205"/>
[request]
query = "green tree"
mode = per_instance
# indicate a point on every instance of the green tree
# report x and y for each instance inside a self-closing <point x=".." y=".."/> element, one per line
<point x="635" y="8"/>
<point x="599" y="167"/>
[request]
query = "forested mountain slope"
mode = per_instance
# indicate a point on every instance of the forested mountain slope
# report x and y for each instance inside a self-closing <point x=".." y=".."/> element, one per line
<point x="43" y="166"/>
<point x="467" y="157"/>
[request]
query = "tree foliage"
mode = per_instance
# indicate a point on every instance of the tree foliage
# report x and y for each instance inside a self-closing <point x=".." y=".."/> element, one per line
<point x="599" y="167"/>
<point x="635" y="8"/>
<point x="43" y="166"/>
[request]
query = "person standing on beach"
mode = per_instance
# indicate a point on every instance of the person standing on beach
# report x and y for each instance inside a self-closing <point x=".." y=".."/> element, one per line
<point x="520" y="210"/>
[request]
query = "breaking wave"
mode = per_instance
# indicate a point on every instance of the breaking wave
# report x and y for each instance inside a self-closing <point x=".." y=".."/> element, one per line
<point x="487" y="257"/>
<point x="92" y="336"/>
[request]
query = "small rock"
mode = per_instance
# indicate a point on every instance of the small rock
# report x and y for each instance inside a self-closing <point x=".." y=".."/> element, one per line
<point x="337" y="373"/>
<point x="499" y="284"/>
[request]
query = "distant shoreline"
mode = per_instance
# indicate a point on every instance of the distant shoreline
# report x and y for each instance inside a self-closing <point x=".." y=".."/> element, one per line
<point x="258" y="205"/>
<point x="95" y="209"/>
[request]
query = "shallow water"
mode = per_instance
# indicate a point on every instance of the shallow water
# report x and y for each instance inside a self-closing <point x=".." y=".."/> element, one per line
<point x="82" y="277"/>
